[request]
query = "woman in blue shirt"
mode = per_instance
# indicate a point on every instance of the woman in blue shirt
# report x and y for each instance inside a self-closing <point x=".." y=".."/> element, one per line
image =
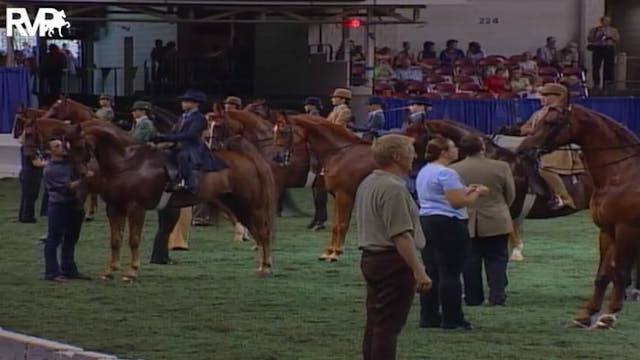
<point x="443" y="216"/>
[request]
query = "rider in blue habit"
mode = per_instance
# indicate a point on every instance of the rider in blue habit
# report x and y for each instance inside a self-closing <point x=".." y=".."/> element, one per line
<point x="193" y="156"/>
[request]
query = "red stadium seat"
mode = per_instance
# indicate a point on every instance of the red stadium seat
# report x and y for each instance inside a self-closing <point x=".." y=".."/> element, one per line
<point x="516" y="58"/>
<point x="549" y="79"/>
<point x="443" y="71"/>
<point x="462" y="79"/>
<point x="548" y="71"/>
<point x="485" y="96"/>
<point x="463" y="62"/>
<point x="467" y="71"/>
<point x="567" y="71"/>
<point x="444" y="88"/>
<point x="470" y="87"/>
<point x="380" y="88"/>
<point x="435" y="79"/>
<point x="430" y="62"/>
<point x="432" y="96"/>
<point x="415" y="87"/>
<point x="461" y="95"/>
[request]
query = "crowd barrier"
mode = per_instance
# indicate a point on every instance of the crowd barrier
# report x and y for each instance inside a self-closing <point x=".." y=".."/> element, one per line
<point x="14" y="91"/>
<point x="489" y="115"/>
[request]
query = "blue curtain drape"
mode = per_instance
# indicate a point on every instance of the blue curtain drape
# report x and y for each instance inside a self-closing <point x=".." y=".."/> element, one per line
<point x="489" y="115"/>
<point x="14" y="91"/>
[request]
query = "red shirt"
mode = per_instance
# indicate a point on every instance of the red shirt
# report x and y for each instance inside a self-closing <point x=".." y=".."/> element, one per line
<point x="496" y="84"/>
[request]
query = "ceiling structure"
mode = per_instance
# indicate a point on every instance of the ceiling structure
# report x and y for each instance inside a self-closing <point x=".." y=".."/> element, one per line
<point x="374" y="12"/>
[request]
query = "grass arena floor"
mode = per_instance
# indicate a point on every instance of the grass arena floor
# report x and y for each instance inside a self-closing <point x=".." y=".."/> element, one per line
<point x="211" y="306"/>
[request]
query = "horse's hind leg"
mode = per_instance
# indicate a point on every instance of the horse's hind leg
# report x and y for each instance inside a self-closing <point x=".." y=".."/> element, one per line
<point x="90" y="206"/>
<point x="116" y="226"/>
<point x="167" y="219"/>
<point x="136" y="216"/>
<point x="607" y="248"/>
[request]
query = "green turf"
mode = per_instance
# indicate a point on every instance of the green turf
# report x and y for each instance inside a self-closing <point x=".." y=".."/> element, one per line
<point x="211" y="306"/>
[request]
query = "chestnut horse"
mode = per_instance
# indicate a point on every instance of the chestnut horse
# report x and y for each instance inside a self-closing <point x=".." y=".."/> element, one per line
<point x="134" y="175"/>
<point x="346" y="160"/>
<point x="612" y="155"/>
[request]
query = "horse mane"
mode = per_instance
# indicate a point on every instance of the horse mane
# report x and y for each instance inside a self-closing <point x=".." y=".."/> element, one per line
<point x="616" y="127"/>
<point x="108" y="132"/>
<point x="163" y="119"/>
<point x="341" y="131"/>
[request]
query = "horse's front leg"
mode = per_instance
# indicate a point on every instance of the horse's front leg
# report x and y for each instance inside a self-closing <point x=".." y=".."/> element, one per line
<point x="135" y="216"/>
<point x="329" y="250"/>
<point x="167" y="219"/>
<point x="117" y="220"/>
<point x="606" y="246"/>
<point x="344" y="207"/>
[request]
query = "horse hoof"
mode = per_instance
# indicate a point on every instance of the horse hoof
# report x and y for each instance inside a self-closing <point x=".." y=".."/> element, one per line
<point x="333" y="257"/>
<point x="516" y="255"/>
<point x="577" y="324"/>
<point x="128" y="279"/>
<point x="105" y="276"/>
<point x="604" y="322"/>
<point x="324" y="256"/>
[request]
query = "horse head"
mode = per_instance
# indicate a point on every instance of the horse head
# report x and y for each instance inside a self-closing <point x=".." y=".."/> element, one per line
<point x="283" y="136"/>
<point x="68" y="109"/>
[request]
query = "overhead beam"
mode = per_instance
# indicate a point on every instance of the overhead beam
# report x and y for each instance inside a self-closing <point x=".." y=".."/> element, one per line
<point x="232" y="21"/>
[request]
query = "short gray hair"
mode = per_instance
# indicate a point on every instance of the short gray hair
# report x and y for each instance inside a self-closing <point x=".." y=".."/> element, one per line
<point x="387" y="147"/>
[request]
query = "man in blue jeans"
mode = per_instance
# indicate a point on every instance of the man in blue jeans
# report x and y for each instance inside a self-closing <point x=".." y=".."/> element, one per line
<point x="65" y="215"/>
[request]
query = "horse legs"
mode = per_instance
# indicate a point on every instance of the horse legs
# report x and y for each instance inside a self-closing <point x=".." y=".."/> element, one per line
<point x="607" y="248"/>
<point x="167" y="219"/>
<point x="116" y="226"/>
<point x="624" y="256"/>
<point x="515" y="242"/>
<point x="343" y="208"/>
<point x="90" y="206"/>
<point x="135" y="216"/>
<point x="330" y="248"/>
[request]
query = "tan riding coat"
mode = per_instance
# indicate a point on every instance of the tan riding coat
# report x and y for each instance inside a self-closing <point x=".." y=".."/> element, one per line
<point x="340" y="115"/>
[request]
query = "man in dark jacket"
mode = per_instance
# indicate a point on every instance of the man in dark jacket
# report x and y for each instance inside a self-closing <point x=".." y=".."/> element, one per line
<point x="192" y="153"/>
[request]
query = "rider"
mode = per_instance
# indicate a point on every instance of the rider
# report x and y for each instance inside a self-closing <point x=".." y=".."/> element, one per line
<point x="142" y="129"/>
<point x="375" y="120"/>
<point x="232" y="103"/>
<point x="341" y="113"/>
<point x="553" y="96"/>
<point x="418" y="107"/>
<point x="312" y="105"/>
<point x="192" y="154"/>
<point x="105" y="112"/>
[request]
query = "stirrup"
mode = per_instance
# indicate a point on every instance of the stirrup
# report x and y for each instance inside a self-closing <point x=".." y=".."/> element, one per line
<point x="556" y="202"/>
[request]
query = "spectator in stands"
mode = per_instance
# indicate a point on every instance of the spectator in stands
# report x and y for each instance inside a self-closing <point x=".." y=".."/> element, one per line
<point x="428" y="52"/>
<point x="443" y="216"/>
<point x="574" y="86"/>
<point x="171" y="63"/>
<point x="404" y="58"/>
<point x="489" y="222"/>
<point x="535" y="89"/>
<point x="312" y="105"/>
<point x="548" y="54"/>
<point x="105" y="112"/>
<point x="519" y="84"/>
<point x="72" y="59"/>
<point x="357" y="53"/>
<point x="528" y="65"/>
<point x="384" y="54"/>
<point x="497" y="83"/>
<point x="475" y="52"/>
<point x="375" y="120"/>
<point x="602" y="42"/>
<point x="383" y="72"/>
<point x="569" y="56"/>
<point x="157" y="61"/>
<point x="449" y="55"/>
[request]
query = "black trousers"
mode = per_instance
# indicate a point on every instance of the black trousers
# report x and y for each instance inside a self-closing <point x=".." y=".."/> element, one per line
<point x="65" y="222"/>
<point x="320" y="199"/>
<point x="603" y="57"/>
<point x="492" y="250"/>
<point x="390" y="291"/>
<point x="30" y="181"/>
<point x="444" y="257"/>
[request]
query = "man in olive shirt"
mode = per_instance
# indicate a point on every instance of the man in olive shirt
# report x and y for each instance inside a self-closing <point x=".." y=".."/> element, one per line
<point x="389" y="233"/>
<point x="142" y="129"/>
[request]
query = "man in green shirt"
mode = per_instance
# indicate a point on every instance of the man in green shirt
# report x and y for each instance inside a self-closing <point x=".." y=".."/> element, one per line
<point x="142" y="128"/>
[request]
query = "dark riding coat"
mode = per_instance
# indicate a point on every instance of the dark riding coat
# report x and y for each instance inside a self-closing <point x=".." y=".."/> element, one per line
<point x="187" y="133"/>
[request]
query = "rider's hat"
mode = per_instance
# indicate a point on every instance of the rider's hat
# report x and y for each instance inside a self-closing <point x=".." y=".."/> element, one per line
<point x="141" y="105"/>
<point x="341" y="93"/>
<point x="233" y="100"/>
<point x="194" y="95"/>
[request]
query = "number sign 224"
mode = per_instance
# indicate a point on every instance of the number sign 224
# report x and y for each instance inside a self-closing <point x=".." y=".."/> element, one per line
<point x="488" y="20"/>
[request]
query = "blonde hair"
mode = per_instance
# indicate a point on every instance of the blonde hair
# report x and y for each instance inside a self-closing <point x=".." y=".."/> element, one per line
<point x="387" y="147"/>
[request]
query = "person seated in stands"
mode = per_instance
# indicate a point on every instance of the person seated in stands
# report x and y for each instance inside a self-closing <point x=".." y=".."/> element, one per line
<point x="142" y="129"/>
<point x="548" y="54"/>
<point x="528" y="65"/>
<point x="574" y="86"/>
<point x="232" y="103"/>
<point x="449" y="55"/>
<point x="375" y="120"/>
<point x="383" y="72"/>
<point x="497" y="83"/>
<point x="534" y="93"/>
<point x="105" y="112"/>
<point x="312" y="105"/>
<point x="428" y="52"/>
<point x="475" y="52"/>
<point x="404" y="58"/>
<point x="519" y="84"/>
<point x="569" y="56"/>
